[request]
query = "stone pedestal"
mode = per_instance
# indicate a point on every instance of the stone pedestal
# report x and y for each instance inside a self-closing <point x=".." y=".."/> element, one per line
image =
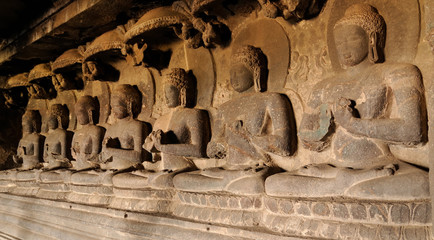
<point x="91" y="188"/>
<point x="28" y="183"/>
<point x="54" y="184"/>
<point x="7" y="180"/>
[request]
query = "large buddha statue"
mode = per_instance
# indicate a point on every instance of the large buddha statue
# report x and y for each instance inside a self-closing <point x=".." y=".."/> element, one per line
<point x="122" y="144"/>
<point x="86" y="143"/>
<point x="353" y="117"/>
<point x="30" y="147"/>
<point x="178" y="137"/>
<point x="58" y="142"/>
<point x="183" y="132"/>
<point x="247" y="131"/>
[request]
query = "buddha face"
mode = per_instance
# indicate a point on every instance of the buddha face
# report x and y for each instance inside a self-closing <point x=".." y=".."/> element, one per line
<point x="52" y="122"/>
<point x="352" y="44"/>
<point x="241" y="77"/>
<point x="171" y="94"/>
<point x="119" y="107"/>
<point x="28" y="125"/>
<point x="81" y="111"/>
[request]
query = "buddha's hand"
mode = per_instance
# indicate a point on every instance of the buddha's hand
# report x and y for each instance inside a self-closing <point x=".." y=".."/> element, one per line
<point x="238" y="127"/>
<point x="149" y="144"/>
<point x="342" y="112"/>
<point x="156" y="138"/>
<point x="21" y="151"/>
<point x="105" y="156"/>
<point x="216" y="150"/>
<point x="75" y="152"/>
<point x="316" y="129"/>
<point x="17" y="159"/>
<point x="153" y="141"/>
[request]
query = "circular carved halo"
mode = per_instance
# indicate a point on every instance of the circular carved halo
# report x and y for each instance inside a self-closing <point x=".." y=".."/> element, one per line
<point x="270" y="37"/>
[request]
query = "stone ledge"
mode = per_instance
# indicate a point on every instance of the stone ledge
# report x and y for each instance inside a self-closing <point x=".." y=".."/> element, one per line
<point x="26" y="218"/>
<point x="329" y="218"/>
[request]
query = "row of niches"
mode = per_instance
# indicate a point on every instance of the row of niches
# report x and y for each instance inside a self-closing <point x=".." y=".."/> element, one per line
<point x="354" y="140"/>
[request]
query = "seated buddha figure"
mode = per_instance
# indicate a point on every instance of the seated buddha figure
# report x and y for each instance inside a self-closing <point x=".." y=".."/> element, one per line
<point x="86" y="142"/>
<point x="178" y="136"/>
<point x="122" y="144"/>
<point x="30" y="147"/>
<point x="58" y="142"/>
<point x="247" y="131"/>
<point x="353" y="117"/>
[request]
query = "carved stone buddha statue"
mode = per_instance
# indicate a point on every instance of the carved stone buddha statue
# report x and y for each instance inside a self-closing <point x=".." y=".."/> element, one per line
<point x="122" y="144"/>
<point x="86" y="142"/>
<point x="178" y="137"/>
<point x="30" y="147"/>
<point x="58" y="142"/>
<point x="247" y="130"/>
<point x="353" y="117"/>
<point x="183" y="132"/>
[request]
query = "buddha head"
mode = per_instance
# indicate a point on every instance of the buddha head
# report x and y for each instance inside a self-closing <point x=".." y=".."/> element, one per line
<point x="178" y="88"/>
<point x="360" y="34"/>
<point x="86" y="110"/>
<point x="125" y="101"/>
<point x="59" y="117"/>
<point x="248" y="68"/>
<point x="31" y="121"/>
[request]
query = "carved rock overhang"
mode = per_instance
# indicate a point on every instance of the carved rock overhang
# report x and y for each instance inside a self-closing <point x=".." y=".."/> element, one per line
<point x="65" y="25"/>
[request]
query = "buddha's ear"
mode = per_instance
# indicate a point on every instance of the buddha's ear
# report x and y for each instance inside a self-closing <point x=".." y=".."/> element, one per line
<point x="183" y="97"/>
<point x="59" y="122"/>
<point x="35" y="125"/>
<point x="257" y="79"/>
<point x="373" y="50"/>
<point x="90" y="114"/>
<point x="130" y="108"/>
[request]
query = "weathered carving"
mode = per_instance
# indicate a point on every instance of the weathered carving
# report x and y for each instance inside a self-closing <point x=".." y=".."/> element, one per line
<point x="41" y="85"/>
<point x="30" y="147"/>
<point x="183" y="133"/>
<point x="86" y="142"/>
<point x="430" y="39"/>
<point x="200" y="31"/>
<point x="151" y="24"/>
<point x="291" y="9"/>
<point x="58" y="142"/>
<point x="29" y="155"/>
<point x="106" y="46"/>
<point x="179" y="137"/>
<point x="354" y="115"/>
<point x="67" y="70"/>
<point x="15" y="93"/>
<point x="299" y="70"/>
<point x="109" y="43"/>
<point x="92" y="71"/>
<point x="135" y="53"/>
<point x="242" y="137"/>
<point x="122" y="144"/>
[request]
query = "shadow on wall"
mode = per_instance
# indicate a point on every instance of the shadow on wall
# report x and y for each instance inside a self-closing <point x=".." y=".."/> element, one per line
<point x="10" y="134"/>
